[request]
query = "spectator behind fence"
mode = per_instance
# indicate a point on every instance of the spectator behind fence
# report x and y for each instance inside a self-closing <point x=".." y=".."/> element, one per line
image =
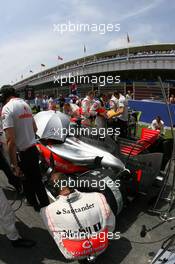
<point x="38" y="103"/>
<point x="129" y="95"/>
<point x="45" y="103"/>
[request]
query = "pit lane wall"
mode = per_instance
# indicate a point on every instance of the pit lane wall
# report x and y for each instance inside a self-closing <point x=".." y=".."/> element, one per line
<point x="150" y="109"/>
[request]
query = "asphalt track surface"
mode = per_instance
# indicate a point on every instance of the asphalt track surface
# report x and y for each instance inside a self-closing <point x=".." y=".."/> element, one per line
<point x="124" y="250"/>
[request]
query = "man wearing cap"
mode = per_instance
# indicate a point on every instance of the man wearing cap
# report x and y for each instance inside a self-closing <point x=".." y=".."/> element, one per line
<point x="20" y="128"/>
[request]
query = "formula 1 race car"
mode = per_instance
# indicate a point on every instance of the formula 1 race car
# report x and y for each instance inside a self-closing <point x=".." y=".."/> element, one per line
<point x="125" y="167"/>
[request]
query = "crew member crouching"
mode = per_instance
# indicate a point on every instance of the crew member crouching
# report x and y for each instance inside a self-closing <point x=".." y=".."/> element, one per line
<point x="78" y="222"/>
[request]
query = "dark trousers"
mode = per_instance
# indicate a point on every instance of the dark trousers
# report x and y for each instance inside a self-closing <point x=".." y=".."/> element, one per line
<point x="32" y="183"/>
<point x="38" y="109"/>
<point x="118" y="123"/>
<point x="5" y="167"/>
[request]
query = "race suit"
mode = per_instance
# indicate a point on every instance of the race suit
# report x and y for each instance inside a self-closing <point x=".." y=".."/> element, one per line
<point x="96" y="219"/>
<point x="73" y="111"/>
<point x="97" y="110"/>
<point x="85" y="106"/>
<point x="120" y="121"/>
<point x="113" y="103"/>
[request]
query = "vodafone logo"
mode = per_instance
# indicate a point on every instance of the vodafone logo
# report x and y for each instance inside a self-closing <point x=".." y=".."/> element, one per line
<point x="87" y="244"/>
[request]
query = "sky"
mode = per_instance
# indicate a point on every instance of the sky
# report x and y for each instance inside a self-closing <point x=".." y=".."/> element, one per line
<point x="30" y="30"/>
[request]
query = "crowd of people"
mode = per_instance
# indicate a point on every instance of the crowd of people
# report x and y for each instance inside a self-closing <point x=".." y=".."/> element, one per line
<point x="100" y="110"/>
<point x="44" y="103"/>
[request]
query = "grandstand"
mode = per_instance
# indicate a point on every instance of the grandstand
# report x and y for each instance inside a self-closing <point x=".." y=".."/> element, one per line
<point x="138" y="68"/>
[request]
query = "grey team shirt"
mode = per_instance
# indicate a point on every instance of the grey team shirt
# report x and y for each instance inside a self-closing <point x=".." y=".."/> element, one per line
<point x="17" y="114"/>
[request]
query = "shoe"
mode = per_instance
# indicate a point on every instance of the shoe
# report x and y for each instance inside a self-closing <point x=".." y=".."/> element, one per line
<point x="23" y="243"/>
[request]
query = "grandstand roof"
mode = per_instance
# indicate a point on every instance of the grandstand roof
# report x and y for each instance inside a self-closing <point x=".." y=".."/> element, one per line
<point x="161" y="47"/>
<point x="146" y="48"/>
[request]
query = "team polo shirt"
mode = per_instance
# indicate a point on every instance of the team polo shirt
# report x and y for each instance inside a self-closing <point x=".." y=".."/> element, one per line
<point x="117" y="103"/>
<point x="94" y="214"/>
<point x="17" y="114"/>
<point x="122" y="102"/>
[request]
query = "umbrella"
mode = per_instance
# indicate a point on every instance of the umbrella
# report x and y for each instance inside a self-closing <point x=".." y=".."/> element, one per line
<point x="52" y="125"/>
